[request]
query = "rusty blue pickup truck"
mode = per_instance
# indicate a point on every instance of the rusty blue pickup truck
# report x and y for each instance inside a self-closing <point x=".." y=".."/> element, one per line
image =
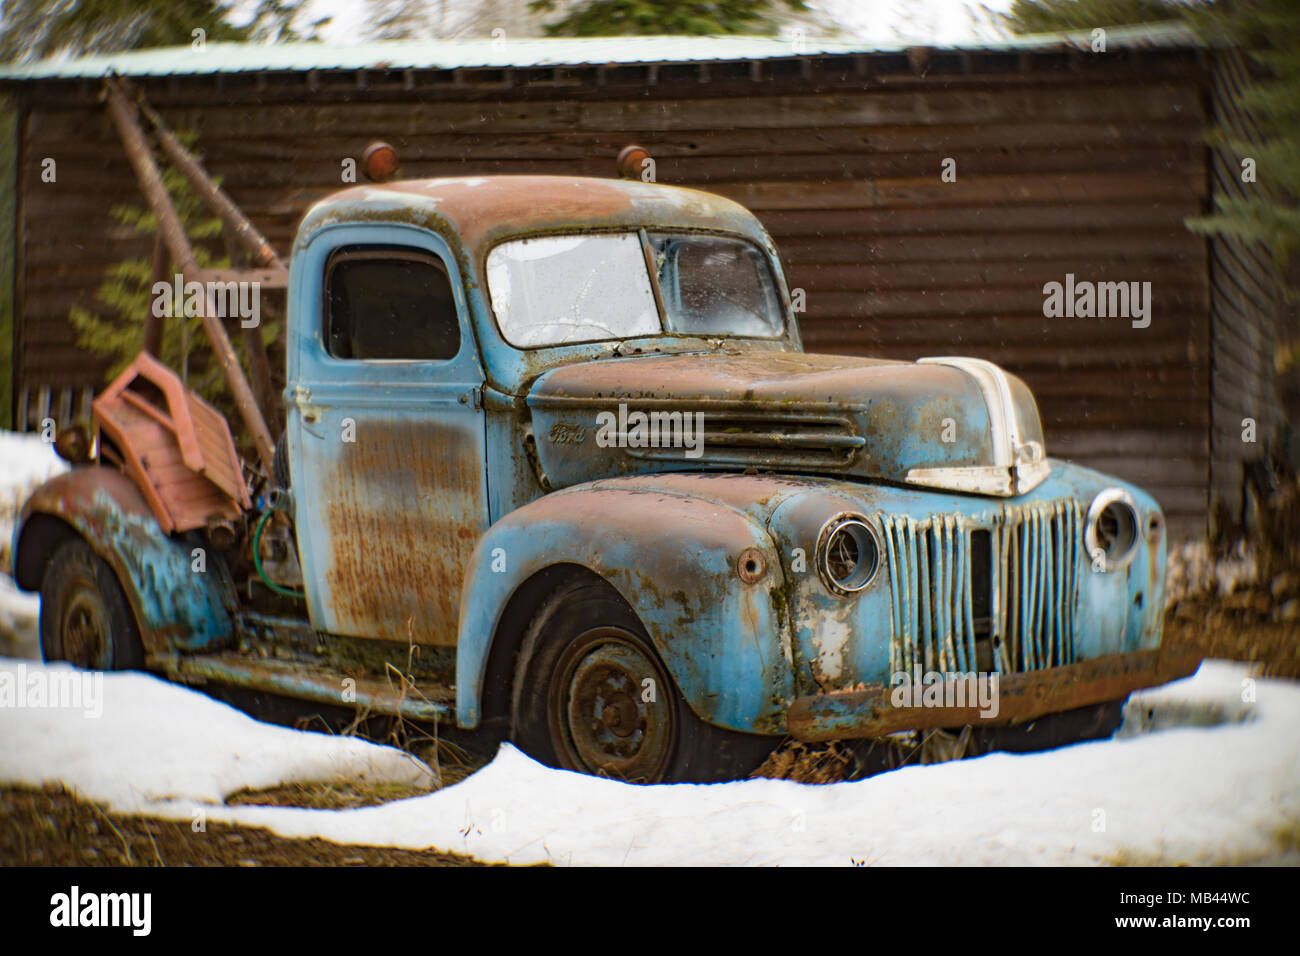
<point x="555" y="463"/>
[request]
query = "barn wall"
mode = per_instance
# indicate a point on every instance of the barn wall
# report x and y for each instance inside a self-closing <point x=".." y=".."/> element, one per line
<point x="1244" y="315"/>
<point x="1063" y="166"/>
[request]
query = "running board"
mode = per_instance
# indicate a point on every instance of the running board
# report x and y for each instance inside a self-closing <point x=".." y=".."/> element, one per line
<point x="398" y="697"/>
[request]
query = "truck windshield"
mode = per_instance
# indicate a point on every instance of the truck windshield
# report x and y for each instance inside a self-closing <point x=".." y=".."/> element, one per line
<point x="557" y="290"/>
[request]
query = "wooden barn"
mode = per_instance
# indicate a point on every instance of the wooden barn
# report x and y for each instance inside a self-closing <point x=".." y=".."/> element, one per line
<point x="1064" y="162"/>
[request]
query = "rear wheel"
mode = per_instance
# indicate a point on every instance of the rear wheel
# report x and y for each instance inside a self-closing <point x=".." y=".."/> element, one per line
<point x="592" y="695"/>
<point x="85" y="617"/>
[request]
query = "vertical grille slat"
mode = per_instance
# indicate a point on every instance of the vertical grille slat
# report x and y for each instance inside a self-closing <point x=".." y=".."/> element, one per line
<point x="925" y="632"/>
<point x="914" y="599"/>
<point x="891" y="559"/>
<point x="1028" y="563"/>
<point x="1072" y="573"/>
<point x="1042" y="578"/>
<point x="1058" y="581"/>
<point x="997" y="617"/>
<point x="968" y="599"/>
<point x="961" y="589"/>
<point x="943" y="597"/>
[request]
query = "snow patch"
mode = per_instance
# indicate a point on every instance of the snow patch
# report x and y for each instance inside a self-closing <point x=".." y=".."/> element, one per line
<point x="25" y="462"/>
<point x="157" y="742"/>
<point x="19" y="620"/>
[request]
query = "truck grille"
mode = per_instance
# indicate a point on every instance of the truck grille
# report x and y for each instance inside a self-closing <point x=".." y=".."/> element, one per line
<point x="984" y="598"/>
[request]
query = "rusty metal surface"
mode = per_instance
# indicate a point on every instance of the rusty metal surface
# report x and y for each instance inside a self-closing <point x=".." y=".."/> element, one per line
<point x="789" y="411"/>
<point x="742" y="651"/>
<point x="398" y="515"/>
<point x="671" y="550"/>
<point x="485" y="210"/>
<point x="473" y="214"/>
<point x="389" y="463"/>
<point x="871" y="712"/>
<point x="397" y="695"/>
<point x="179" y="453"/>
<point x="176" y="607"/>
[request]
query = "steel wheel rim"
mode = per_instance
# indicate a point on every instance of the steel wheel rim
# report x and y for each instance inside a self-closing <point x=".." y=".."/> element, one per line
<point x="83" y="629"/>
<point x="599" y="720"/>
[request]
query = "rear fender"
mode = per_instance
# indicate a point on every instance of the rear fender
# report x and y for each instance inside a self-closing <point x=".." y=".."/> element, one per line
<point x="177" y="608"/>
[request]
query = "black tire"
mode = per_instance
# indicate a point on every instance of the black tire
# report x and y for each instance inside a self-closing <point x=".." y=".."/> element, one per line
<point x="85" y="618"/>
<point x="585" y="652"/>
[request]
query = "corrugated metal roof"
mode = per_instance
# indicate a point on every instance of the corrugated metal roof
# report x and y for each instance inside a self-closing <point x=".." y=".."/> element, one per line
<point x="531" y="52"/>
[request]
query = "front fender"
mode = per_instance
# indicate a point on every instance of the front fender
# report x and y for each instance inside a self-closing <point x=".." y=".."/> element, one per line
<point x="673" y="558"/>
<point x="176" y="607"/>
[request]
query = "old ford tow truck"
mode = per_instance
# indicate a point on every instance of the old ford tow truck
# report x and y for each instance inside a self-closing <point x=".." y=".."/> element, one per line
<point x="555" y="462"/>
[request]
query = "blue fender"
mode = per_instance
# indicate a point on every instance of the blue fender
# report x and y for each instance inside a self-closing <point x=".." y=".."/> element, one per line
<point x="673" y="558"/>
<point x="176" y="607"/>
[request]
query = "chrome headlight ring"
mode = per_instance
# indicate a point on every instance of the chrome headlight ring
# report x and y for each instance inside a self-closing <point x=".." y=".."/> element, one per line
<point x="1114" y="528"/>
<point x="848" y="553"/>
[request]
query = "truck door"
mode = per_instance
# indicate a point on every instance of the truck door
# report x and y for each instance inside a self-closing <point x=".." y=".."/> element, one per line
<point x="386" y="432"/>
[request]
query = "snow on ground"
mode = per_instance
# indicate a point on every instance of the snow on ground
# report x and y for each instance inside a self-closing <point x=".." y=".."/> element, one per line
<point x="131" y="740"/>
<point x="19" y="621"/>
<point x="25" y="462"/>
<point x="1167" y="789"/>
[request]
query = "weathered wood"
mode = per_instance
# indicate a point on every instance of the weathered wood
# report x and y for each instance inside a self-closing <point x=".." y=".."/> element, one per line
<point x="154" y="323"/>
<point x="178" y="246"/>
<point x="931" y="107"/>
<point x="237" y="225"/>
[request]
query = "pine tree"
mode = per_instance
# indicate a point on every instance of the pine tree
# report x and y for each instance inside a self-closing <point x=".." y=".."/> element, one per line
<point x="1053" y="16"/>
<point x="35" y="29"/>
<point x="1269" y="30"/>
<point x="666" y="17"/>
<point x="399" y="20"/>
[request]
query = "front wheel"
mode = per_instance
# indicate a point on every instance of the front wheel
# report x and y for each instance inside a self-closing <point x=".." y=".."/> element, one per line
<point x="592" y="695"/>
<point x="85" y="618"/>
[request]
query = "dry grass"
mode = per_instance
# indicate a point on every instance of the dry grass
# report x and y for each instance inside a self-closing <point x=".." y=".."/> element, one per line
<point x="1284" y="851"/>
<point x="1236" y="635"/>
<point x="55" y="827"/>
<point x="808" y="763"/>
<point x="341" y="794"/>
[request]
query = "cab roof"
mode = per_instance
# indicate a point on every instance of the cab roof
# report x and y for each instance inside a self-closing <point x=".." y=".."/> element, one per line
<point x="484" y="210"/>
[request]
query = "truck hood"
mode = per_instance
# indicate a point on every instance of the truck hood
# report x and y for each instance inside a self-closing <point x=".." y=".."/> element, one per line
<point x="954" y="423"/>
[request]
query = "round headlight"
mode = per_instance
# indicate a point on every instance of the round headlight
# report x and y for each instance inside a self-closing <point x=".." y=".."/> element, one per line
<point x="848" y="554"/>
<point x="1113" y="528"/>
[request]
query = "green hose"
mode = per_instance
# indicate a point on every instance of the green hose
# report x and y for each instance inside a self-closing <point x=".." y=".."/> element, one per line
<point x="257" y="561"/>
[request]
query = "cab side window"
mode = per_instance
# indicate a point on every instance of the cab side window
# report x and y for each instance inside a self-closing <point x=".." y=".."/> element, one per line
<point x="389" y="303"/>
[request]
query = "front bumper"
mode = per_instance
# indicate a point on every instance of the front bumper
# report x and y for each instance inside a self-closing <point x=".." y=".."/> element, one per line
<point x="870" y="711"/>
